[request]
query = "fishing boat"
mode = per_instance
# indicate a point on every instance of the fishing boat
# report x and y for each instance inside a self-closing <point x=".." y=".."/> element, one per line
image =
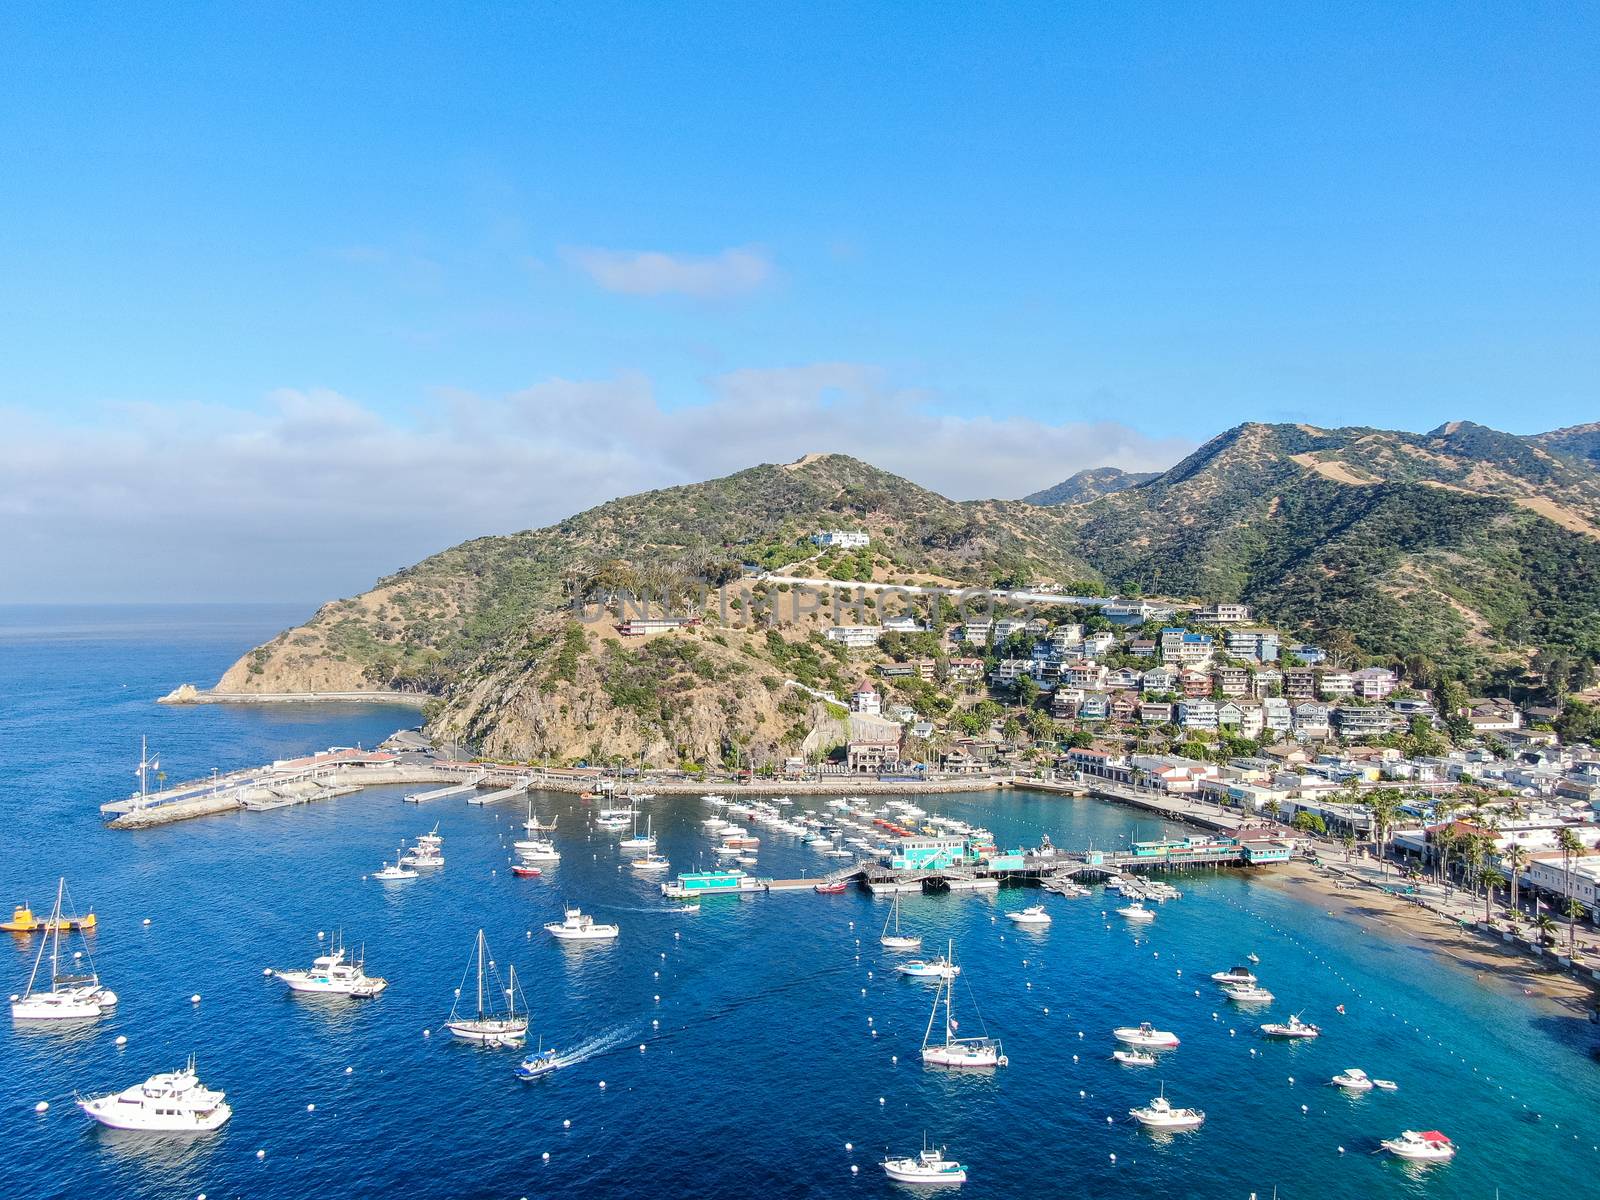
<point x="536" y="850"/>
<point x="1352" y="1079"/>
<point x="495" y="1019"/>
<point x="1431" y="1146"/>
<point x="74" y="994"/>
<point x="1137" y="912"/>
<point x="578" y="926"/>
<point x="929" y="1166"/>
<point x="395" y="871"/>
<point x="1034" y="914"/>
<point x="1159" y="1114"/>
<point x="1234" y="975"/>
<point x="1247" y="993"/>
<point x="1135" y="1058"/>
<point x="172" y="1102"/>
<point x="334" y="974"/>
<point x="524" y="871"/>
<point x="1294" y="1028"/>
<point x="897" y="940"/>
<point x="981" y="1051"/>
<point x="1145" y="1035"/>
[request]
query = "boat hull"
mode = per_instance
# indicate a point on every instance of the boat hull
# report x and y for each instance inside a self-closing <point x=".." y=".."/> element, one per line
<point x="489" y="1033"/>
<point x="78" y="1004"/>
<point x="103" y="1110"/>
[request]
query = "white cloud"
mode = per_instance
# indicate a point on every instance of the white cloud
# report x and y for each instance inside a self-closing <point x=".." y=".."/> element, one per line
<point x="654" y="273"/>
<point x="313" y="494"/>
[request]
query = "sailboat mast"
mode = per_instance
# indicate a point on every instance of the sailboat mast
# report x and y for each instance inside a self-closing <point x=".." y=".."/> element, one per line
<point x="55" y="935"/>
<point x="480" y="974"/>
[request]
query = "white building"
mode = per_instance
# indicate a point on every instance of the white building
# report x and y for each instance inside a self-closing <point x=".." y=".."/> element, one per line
<point x="856" y="637"/>
<point x="841" y="539"/>
<point x="865" y="700"/>
<point x="1198" y="714"/>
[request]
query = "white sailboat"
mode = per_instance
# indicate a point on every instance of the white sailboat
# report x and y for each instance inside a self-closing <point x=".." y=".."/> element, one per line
<point x="73" y="995"/>
<point x="982" y="1051"/>
<point x="645" y="841"/>
<point x="532" y="824"/>
<point x="897" y="940"/>
<point x="494" y="1022"/>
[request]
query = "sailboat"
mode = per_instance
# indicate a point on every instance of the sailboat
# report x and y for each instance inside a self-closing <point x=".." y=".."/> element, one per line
<point x="647" y="842"/>
<point x="956" y="1051"/>
<point x="897" y="940"/>
<point x="71" y="996"/>
<point x="532" y="824"/>
<point x="491" y="1023"/>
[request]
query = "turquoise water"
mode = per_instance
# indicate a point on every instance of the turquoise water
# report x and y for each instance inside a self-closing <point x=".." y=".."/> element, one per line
<point x="757" y="1016"/>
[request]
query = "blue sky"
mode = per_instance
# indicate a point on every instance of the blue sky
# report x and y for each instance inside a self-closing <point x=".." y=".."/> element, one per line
<point x="1075" y="233"/>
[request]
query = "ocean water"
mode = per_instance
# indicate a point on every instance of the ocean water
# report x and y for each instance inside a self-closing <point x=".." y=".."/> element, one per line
<point x="775" y="1033"/>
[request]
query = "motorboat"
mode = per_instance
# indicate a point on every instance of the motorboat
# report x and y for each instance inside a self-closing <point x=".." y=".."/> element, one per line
<point x="1034" y="914"/>
<point x="960" y="1052"/>
<point x="1247" y="993"/>
<point x="395" y="871"/>
<point x="1159" y="1114"/>
<point x="926" y="968"/>
<point x="1431" y="1146"/>
<point x="1386" y="1085"/>
<point x="423" y="855"/>
<point x="1253" y="958"/>
<point x="834" y="887"/>
<point x="1293" y="1028"/>
<point x="1352" y="1079"/>
<point x="495" y="1020"/>
<point x="1145" y="1035"/>
<point x="75" y="994"/>
<point x="1234" y="975"/>
<point x="1136" y="912"/>
<point x="542" y="1062"/>
<point x="1135" y="1058"/>
<point x="578" y="926"/>
<point x="524" y="871"/>
<point x="171" y="1102"/>
<point x="334" y="974"/>
<point x="929" y="1166"/>
<point x="897" y="940"/>
<point x="536" y="850"/>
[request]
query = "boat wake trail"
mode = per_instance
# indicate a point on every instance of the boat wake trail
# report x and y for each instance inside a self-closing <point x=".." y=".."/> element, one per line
<point x="600" y="1043"/>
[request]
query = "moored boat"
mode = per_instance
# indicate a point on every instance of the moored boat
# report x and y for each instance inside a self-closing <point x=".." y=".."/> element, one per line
<point x="960" y="1052"/>
<point x="1135" y="1058"/>
<point x="1160" y="1114"/>
<point x="1234" y="975"/>
<point x="578" y="926"/>
<point x="171" y="1102"/>
<point x="1146" y="1035"/>
<point x="1294" y="1028"/>
<point x="929" y="1166"/>
<point x="897" y="940"/>
<point x="73" y="995"/>
<point x="1034" y="914"/>
<point x="1352" y="1079"/>
<point x="1430" y="1146"/>
<point x="495" y="1020"/>
<point x="334" y="974"/>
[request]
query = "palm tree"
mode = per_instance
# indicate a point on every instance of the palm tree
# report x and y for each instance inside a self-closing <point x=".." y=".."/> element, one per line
<point x="1570" y="845"/>
<point x="1547" y="929"/>
<point x="1573" y="911"/>
<point x="1491" y="879"/>
<point x="1516" y="858"/>
<point x="1445" y="841"/>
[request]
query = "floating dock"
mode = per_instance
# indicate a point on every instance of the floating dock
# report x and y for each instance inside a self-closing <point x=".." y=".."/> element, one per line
<point x="454" y="789"/>
<point x="520" y="788"/>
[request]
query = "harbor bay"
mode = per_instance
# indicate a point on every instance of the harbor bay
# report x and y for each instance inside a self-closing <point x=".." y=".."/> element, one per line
<point x="775" y="1031"/>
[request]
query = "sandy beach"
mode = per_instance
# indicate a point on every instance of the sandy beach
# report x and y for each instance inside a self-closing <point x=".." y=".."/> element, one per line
<point x="1493" y="964"/>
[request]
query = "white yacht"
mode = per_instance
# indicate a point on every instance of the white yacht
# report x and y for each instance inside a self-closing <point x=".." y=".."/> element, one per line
<point x="1293" y="1028"/>
<point x="1247" y="993"/>
<point x="930" y="1166"/>
<point x="1136" y="912"/>
<point x="981" y="1051"/>
<point x="1431" y="1146"/>
<point x="536" y="850"/>
<point x="495" y="1020"/>
<point x="1145" y="1035"/>
<point x="929" y="968"/>
<point x="578" y="926"/>
<point x="73" y="995"/>
<point x="897" y="940"/>
<point x="1234" y="975"/>
<point x="172" y="1102"/>
<point x="334" y="974"/>
<point x="1159" y="1114"/>
<point x="1352" y="1079"/>
<point x="1034" y="914"/>
<point x="424" y="855"/>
